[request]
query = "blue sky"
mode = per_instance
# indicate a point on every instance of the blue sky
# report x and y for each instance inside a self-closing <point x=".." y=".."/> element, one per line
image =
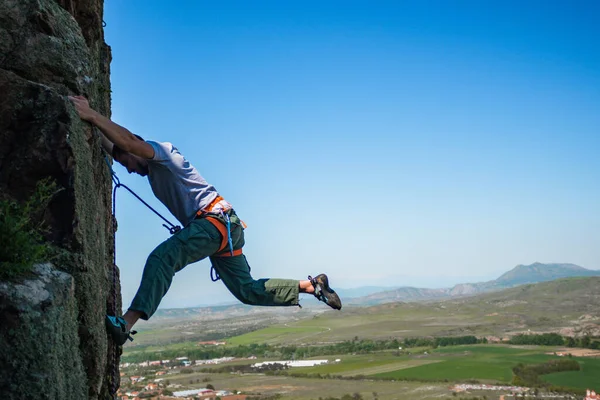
<point x="420" y="143"/>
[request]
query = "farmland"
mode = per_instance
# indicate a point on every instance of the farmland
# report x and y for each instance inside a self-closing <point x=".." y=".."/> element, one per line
<point x="589" y="376"/>
<point x="482" y="363"/>
<point x="389" y="373"/>
<point x="357" y="364"/>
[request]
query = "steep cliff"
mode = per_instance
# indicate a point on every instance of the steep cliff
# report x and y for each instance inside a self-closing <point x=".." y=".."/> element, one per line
<point x="52" y="335"/>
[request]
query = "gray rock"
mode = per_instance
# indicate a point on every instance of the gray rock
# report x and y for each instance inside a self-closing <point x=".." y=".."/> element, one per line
<point x="38" y="336"/>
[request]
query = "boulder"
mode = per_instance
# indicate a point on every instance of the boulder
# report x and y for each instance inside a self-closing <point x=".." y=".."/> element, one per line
<point x="39" y="329"/>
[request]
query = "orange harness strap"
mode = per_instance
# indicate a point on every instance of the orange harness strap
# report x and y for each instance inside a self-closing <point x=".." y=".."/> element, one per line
<point x="223" y="231"/>
<point x="209" y="207"/>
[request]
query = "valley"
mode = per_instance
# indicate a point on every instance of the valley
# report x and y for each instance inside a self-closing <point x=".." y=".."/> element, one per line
<point x="358" y="344"/>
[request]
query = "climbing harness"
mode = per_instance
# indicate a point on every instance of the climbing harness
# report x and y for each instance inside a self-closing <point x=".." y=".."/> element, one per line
<point x="218" y="214"/>
<point x="226" y="241"/>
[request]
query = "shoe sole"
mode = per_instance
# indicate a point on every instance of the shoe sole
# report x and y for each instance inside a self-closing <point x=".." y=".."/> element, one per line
<point x="330" y="294"/>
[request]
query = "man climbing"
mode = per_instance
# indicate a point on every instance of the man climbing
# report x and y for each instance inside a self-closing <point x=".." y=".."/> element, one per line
<point x="211" y="229"/>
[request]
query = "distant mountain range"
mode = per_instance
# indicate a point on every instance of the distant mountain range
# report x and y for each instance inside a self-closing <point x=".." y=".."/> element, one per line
<point x="519" y="275"/>
<point x="374" y="295"/>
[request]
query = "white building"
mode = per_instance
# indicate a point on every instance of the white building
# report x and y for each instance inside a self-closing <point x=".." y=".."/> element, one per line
<point x="193" y="392"/>
<point x="215" y="360"/>
<point x="300" y="363"/>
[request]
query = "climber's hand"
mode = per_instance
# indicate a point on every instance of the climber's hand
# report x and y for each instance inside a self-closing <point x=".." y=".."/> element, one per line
<point x="83" y="108"/>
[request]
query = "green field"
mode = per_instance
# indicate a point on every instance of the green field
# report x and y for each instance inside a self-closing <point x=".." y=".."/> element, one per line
<point x="389" y="372"/>
<point x="483" y="363"/>
<point x="278" y="334"/>
<point x="383" y="322"/>
<point x="588" y="377"/>
<point x="494" y="364"/>
<point x="364" y="364"/>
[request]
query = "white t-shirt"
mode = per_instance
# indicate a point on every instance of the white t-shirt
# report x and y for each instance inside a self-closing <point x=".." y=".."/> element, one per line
<point x="177" y="183"/>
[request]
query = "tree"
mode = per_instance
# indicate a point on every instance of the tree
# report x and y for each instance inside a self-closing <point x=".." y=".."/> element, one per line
<point x="585" y="341"/>
<point x="210" y="386"/>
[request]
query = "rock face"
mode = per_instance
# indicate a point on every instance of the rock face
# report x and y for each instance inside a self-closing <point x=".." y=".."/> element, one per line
<point x="41" y="315"/>
<point x="50" y="49"/>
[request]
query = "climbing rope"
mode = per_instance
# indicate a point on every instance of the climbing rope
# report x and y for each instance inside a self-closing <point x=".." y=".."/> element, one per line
<point x="114" y="384"/>
<point x="169" y="225"/>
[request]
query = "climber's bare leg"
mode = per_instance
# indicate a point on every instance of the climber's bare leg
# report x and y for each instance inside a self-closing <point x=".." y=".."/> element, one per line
<point x="306" y="287"/>
<point x="131" y="317"/>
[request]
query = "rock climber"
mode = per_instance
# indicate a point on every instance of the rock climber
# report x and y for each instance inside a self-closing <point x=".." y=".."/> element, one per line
<point x="211" y="229"/>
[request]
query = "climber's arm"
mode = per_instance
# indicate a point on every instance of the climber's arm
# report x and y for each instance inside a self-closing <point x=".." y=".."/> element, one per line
<point x="107" y="145"/>
<point x="114" y="133"/>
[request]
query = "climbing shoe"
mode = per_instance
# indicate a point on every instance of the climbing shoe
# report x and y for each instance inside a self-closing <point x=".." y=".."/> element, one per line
<point x="324" y="293"/>
<point x="117" y="329"/>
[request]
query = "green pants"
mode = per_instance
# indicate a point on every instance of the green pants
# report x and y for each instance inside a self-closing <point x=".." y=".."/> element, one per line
<point x="198" y="240"/>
